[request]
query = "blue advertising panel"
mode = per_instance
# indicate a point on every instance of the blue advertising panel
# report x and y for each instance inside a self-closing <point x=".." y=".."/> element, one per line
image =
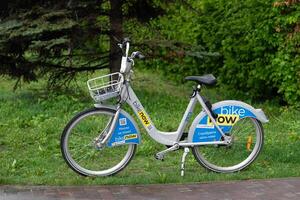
<point x="205" y="130"/>
<point x="125" y="132"/>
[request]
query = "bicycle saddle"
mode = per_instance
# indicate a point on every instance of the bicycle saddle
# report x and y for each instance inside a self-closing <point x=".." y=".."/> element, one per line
<point x="207" y="79"/>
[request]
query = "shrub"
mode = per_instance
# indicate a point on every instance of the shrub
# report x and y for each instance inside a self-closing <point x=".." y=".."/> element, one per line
<point x="259" y="43"/>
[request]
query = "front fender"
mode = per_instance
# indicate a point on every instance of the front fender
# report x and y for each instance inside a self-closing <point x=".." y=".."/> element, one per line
<point x="125" y="131"/>
<point x="229" y="112"/>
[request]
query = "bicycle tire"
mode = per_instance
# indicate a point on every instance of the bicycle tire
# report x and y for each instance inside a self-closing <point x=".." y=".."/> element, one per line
<point x="215" y="161"/>
<point x="97" y="155"/>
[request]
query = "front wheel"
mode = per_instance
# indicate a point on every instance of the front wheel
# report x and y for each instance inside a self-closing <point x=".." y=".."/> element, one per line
<point x="246" y="143"/>
<point x="79" y="145"/>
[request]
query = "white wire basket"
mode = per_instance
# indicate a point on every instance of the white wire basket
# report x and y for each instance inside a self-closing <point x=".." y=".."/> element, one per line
<point x="105" y="87"/>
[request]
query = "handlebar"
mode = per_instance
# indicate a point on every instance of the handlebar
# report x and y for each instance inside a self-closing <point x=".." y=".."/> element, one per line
<point x="127" y="62"/>
<point x="125" y="40"/>
<point x="137" y="54"/>
<point x="125" y="50"/>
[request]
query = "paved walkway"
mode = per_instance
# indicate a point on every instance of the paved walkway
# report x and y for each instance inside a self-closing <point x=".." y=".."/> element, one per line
<point x="283" y="189"/>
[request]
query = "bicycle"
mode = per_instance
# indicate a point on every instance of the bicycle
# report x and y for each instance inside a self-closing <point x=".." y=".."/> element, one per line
<point x="224" y="137"/>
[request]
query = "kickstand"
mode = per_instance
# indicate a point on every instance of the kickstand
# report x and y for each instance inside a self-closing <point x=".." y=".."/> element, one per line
<point x="186" y="151"/>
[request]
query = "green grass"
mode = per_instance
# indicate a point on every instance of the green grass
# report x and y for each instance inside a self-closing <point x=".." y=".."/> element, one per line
<point x="31" y="122"/>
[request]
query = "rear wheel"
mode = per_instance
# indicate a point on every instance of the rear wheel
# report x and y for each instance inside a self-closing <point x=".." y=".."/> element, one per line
<point x="79" y="145"/>
<point x="247" y="141"/>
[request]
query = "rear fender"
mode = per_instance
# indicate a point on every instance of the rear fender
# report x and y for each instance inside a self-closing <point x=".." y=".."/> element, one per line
<point x="229" y="112"/>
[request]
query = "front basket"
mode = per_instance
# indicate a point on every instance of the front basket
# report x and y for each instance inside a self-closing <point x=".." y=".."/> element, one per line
<point x="105" y="87"/>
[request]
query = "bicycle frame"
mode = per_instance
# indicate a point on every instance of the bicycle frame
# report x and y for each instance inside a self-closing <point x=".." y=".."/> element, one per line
<point x="166" y="138"/>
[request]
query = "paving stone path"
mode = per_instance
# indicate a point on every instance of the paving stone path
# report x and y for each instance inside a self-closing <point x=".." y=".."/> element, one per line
<point x="275" y="189"/>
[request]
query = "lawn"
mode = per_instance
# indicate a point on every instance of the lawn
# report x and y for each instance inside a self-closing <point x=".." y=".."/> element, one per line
<point x="32" y="119"/>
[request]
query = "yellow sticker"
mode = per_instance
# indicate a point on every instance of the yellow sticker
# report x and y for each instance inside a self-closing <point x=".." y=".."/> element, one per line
<point x="249" y="143"/>
<point x="131" y="136"/>
<point x="144" y="118"/>
<point x="224" y="120"/>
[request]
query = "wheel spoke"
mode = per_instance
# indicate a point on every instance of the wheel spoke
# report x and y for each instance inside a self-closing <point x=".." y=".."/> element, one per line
<point x="238" y="154"/>
<point x="79" y="150"/>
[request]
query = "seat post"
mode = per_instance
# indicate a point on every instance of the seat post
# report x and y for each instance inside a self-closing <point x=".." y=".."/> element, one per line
<point x="195" y="90"/>
<point x="199" y="87"/>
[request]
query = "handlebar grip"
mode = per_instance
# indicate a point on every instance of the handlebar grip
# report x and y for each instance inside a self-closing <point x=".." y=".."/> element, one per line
<point x="141" y="56"/>
<point x="138" y="55"/>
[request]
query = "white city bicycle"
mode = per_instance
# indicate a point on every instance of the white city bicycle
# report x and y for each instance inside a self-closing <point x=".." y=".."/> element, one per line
<point x="224" y="137"/>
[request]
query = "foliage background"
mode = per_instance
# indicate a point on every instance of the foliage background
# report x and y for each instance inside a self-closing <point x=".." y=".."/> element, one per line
<point x="252" y="46"/>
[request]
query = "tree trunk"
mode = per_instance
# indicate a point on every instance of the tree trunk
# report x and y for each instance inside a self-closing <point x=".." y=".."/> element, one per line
<point x="116" y="22"/>
<point x="3" y="9"/>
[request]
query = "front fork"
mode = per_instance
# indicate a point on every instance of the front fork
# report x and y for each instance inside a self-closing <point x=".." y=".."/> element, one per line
<point x="102" y="135"/>
<point x="100" y="141"/>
